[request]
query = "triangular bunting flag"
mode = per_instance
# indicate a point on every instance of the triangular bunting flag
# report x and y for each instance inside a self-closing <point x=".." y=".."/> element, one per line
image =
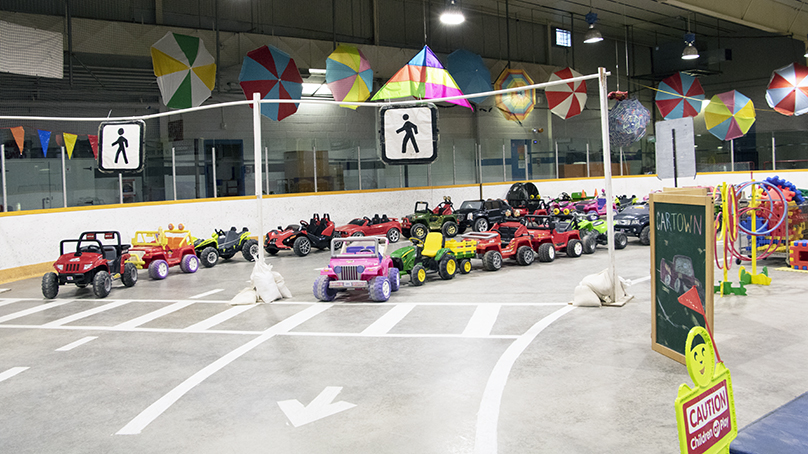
<point x="70" y="143"/>
<point x="44" y="139"/>
<point x="94" y="144"/>
<point x="19" y="137"/>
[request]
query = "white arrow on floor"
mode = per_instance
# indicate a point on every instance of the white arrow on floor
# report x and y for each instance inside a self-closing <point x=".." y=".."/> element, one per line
<point x="319" y="408"/>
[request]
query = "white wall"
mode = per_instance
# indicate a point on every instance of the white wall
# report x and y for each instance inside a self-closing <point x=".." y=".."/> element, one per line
<point x="33" y="237"/>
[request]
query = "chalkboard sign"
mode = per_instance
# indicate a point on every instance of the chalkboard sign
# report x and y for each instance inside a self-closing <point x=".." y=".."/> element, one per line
<point x="682" y="251"/>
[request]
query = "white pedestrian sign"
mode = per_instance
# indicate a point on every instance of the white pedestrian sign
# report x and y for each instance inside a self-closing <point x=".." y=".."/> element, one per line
<point x="121" y="146"/>
<point x="409" y="135"/>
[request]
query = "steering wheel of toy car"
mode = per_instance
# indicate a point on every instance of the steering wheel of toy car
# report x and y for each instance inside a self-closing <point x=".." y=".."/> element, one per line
<point x="304" y="223"/>
<point x="219" y="232"/>
<point x="92" y="248"/>
<point x="416" y="241"/>
<point x="366" y="218"/>
<point x="369" y="250"/>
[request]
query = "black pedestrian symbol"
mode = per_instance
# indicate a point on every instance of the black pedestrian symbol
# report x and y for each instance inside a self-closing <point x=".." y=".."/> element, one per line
<point x="411" y="129"/>
<point x="122" y="143"/>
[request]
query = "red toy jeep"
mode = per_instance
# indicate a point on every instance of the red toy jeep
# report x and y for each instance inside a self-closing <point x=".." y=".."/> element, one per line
<point x="505" y="240"/>
<point x="552" y="235"/>
<point x="97" y="259"/>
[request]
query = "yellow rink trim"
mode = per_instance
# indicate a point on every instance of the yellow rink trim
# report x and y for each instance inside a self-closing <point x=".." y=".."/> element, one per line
<point x="784" y="268"/>
<point x="25" y="272"/>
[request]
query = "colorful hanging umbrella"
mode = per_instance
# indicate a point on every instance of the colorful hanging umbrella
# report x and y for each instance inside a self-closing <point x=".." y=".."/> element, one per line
<point x="470" y="73"/>
<point x="516" y="105"/>
<point x="272" y="73"/>
<point x="566" y="100"/>
<point x="348" y="75"/>
<point x="423" y="77"/>
<point x="627" y="121"/>
<point x="729" y="115"/>
<point x="788" y="90"/>
<point x="679" y="96"/>
<point x="185" y="70"/>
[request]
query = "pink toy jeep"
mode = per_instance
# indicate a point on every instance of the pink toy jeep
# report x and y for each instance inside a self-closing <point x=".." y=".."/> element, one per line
<point x="358" y="263"/>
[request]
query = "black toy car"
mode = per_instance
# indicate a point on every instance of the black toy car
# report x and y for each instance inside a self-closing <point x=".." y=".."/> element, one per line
<point x="480" y="215"/>
<point x="635" y="220"/>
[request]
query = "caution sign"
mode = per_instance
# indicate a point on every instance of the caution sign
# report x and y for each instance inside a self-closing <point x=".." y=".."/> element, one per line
<point x="705" y="414"/>
<point x="122" y="145"/>
<point x="409" y="134"/>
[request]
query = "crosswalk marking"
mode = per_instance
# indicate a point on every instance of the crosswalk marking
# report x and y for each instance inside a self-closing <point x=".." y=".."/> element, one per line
<point x="210" y="292"/>
<point x="483" y="320"/>
<point x="219" y="318"/>
<point x="9" y="301"/>
<point x="387" y="321"/>
<point x="143" y="319"/>
<point x="33" y="310"/>
<point x="73" y="345"/>
<point x="83" y="314"/>
<point x="11" y="372"/>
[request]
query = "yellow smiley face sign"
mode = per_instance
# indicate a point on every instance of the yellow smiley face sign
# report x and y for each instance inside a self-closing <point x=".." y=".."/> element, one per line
<point x="705" y="414"/>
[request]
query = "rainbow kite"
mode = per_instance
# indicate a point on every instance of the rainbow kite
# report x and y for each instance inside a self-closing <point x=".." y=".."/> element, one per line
<point x="423" y="77"/>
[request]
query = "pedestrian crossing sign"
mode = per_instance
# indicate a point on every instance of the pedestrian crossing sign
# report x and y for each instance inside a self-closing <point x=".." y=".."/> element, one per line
<point x="121" y="146"/>
<point x="409" y="134"/>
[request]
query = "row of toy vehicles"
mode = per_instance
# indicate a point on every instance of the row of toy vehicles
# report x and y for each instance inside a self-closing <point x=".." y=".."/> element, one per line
<point x="96" y="258"/>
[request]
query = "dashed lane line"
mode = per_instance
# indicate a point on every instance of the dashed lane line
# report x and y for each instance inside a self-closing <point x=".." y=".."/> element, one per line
<point x="482" y="321"/>
<point x="218" y="318"/>
<point x="154" y="315"/>
<point x="11" y="372"/>
<point x="78" y="343"/>
<point x="387" y="321"/>
<point x="33" y="310"/>
<point x="87" y="313"/>
<point x="209" y="292"/>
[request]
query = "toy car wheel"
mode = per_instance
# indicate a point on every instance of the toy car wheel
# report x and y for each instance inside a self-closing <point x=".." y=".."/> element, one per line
<point x="321" y="290"/>
<point x="394" y="276"/>
<point x="492" y="261"/>
<point x="645" y="235"/>
<point x="302" y="246"/>
<point x="189" y="264"/>
<point x="393" y="235"/>
<point x="158" y="269"/>
<point x="418" y="275"/>
<point x="129" y="276"/>
<point x="419" y="231"/>
<point x="620" y="240"/>
<point x="525" y="255"/>
<point x="574" y="248"/>
<point x="465" y="266"/>
<point x="449" y="229"/>
<point x="590" y="243"/>
<point x="102" y="284"/>
<point x="481" y="225"/>
<point x="249" y="250"/>
<point x="380" y="288"/>
<point x="447" y="268"/>
<point x="209" y="257"/>
<point x="546" y="252"/>
<point x="50" y="285"/>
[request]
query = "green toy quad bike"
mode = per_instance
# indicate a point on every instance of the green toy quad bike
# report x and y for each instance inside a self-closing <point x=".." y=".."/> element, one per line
<point x="225" y="245"/>
<point x="591" y="224"/>
<point x="431" y="255"/>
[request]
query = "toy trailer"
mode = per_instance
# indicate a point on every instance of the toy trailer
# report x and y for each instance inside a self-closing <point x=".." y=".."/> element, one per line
<point x="464" y="250"/>
<point x="157" y="251"/>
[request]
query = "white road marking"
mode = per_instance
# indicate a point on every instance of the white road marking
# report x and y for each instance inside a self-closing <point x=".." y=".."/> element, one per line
<point x="483" y="320"/>
<point x="4" y="290"/>
<point x="9" y="301"/>
<point x="218" y="318"/>
<point x="488" y="416"/>
<point x="322" y="406"/>
<point x="87" y="313"/>
<point x="11" y="372"/>
<point x="387" y="321"/>
<point x="211" y="292"/>
<point x="73" y="345"/>
<point x="631" y="282"/>
<point x="154" y="410"/>
<point x="143" y="319"/>
<point x="32" y="310"/>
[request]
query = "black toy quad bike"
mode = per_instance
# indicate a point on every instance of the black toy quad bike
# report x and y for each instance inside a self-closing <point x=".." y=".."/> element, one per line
<point x="91" y="262"/>
<point x="225" y="245"/>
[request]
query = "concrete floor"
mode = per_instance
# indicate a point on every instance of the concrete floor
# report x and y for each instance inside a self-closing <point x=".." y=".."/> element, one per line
<point x="487" y="362"/>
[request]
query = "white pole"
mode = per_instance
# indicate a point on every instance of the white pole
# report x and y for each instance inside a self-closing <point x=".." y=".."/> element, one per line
<point x="732" y="155"/>
<point x="454" y="164"/>
<point x="774" y="155"/>
<point x="359" y="165"/>
<point x="120" y="188"/>
<point x="621" y="160"/>
<point x="213" y="164"/>
<point x="64" y="181"/>
<point x="587" y="159"/>
<point x="314" y="151"/>
<point x="174" y="171"/>
<point x="607" y="175"/>
<point x="257" y="161"/>
<point x="556" y="157"/>
<point x="429" y="175"/>
<point x="266" y="167"/>
<point x="504" y="173"/>
<point x="401" y="176"/>
<point x="3" y="170"/>
<point x="527" y="160"/>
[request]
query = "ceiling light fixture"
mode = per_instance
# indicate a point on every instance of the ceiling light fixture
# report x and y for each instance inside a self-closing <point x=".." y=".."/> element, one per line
<point x="690" y="52"/>
<point x="452" y="15"/>
<point x="593" y="34"/>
